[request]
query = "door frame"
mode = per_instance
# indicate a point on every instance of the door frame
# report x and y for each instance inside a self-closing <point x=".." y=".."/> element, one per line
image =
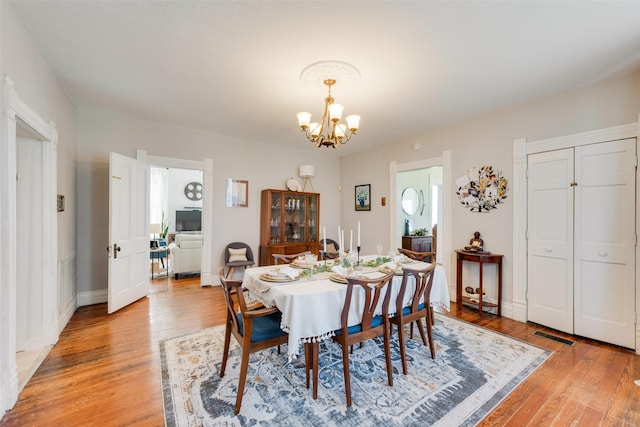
<point x="207" y="276"/>
<point x="17" y="111"/>
<point x="444" y="236"/>
<point x="521" y="149"/>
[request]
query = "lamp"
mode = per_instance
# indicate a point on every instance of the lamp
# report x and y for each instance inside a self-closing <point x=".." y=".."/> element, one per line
<point x="329" y="132"/>
<point x="155" y="229"/>
<point x="306" y="172"/>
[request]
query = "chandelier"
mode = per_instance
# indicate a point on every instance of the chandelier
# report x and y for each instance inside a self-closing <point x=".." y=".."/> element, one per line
<point x="329" y="132"/>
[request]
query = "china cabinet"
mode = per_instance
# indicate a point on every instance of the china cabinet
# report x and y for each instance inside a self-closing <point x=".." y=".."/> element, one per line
<point x="289" y="223"/>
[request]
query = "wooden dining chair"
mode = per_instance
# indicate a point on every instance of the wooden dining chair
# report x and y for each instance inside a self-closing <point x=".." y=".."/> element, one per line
<point x="418" y="256"/>
<point x="254" y="330"/>
<point x="419" y="307"/>
<point x="287" y="259"/>
<point x="370" y="327"/>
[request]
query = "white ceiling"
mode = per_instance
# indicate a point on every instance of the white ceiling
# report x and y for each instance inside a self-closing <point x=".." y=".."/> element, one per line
<point x="233" y="67"/>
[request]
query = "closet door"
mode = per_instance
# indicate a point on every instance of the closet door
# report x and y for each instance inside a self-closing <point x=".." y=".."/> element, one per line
<point x="550" y="239"/>
<point x="605" y="242"/>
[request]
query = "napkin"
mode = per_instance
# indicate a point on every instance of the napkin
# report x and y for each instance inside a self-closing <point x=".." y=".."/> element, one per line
<point x="340" y="270"/>
<point x="292" y="273"/>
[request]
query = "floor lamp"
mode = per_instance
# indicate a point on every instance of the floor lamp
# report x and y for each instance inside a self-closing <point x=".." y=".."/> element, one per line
<point x="307" y="172"/>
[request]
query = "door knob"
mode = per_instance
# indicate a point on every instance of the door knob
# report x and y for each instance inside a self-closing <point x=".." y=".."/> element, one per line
<point x="116" y="249"/>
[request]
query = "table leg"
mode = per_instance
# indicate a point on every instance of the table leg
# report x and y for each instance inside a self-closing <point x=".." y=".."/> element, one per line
<point x="459" y="283"/>
<point x="500" y="288"/>
<point x="480" y="288"/>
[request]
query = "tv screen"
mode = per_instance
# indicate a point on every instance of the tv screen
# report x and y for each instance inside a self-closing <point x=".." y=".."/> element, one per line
<point x="188" y="221"/>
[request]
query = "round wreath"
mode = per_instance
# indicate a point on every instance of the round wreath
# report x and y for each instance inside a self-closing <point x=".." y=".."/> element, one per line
<point x="482" y="189"/>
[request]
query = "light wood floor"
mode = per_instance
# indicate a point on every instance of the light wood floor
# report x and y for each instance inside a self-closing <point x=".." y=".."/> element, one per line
<point x="105" y="369"/>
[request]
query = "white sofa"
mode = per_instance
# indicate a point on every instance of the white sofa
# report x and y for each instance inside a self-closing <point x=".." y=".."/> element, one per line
<point x="185" y="254"/>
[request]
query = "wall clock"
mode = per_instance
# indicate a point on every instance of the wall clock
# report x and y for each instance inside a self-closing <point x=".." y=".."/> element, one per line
<point x="193" y="191"/>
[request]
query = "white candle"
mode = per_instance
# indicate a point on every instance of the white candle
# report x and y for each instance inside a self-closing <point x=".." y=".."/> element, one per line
<point x="342" y="240"/>
<point x="358" y="233"/>
<point x="351" y="241"/>
<point x="339" y="241"/>
<point x="324" y="238"/>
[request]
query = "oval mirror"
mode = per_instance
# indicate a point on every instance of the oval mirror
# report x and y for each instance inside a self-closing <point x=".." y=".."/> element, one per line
<point x="410" y="201"/>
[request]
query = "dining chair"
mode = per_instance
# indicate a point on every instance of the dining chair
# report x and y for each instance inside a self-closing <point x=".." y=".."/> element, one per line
<point x="237" y="254"/>
<point x="333" y="249"/>
<point x="419" y="307"/>
<point x="288" y="259"/>
<point x="370" y="291"/>
<point x="254" y="330"/>
<point x="418" y="256"/>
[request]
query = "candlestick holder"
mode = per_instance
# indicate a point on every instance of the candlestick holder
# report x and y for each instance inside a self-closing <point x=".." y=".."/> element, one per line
<point x="324" y="257"/>
<point x="358" y="247"/>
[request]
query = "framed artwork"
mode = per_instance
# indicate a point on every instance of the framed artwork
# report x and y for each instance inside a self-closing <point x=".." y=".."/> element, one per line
<point x="60" y="203"/>
<point x="237" y="193"/>
<point x="363" y="197"/>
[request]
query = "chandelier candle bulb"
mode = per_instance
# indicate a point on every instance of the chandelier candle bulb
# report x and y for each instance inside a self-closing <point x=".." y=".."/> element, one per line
<point x="303" y="119"/>
<point x="335" y="112"/>
<point x="353" y="122"/>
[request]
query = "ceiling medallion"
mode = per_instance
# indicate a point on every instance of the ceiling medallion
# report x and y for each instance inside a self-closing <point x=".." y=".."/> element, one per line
<point x="329" y="132"/>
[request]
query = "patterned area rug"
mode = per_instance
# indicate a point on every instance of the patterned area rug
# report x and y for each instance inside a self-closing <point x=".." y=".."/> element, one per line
<point x="474" y="370"/>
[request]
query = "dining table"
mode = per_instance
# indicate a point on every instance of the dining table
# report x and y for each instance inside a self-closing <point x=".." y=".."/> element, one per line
<point x="311" y="304"/>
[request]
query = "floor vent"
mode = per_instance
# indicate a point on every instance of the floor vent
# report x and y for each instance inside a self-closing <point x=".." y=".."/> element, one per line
<point x="555" y="338"/>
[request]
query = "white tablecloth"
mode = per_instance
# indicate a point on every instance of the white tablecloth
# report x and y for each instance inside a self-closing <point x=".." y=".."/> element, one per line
<point x="311" y="307"/>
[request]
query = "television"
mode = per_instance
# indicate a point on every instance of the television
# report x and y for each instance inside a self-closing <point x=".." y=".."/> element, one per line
<point x="188" y="221"/>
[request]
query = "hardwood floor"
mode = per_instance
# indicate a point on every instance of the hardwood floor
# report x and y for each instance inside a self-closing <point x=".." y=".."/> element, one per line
<point x="105" y="369"/>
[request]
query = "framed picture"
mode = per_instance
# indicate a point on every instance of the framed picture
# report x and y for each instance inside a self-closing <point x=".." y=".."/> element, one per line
<point x="363" y="197"/>
<point x="60" y="203"/>
<point x="237" y="193"/>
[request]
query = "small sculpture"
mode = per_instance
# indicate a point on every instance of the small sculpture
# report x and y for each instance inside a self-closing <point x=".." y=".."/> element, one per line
<point x="476" y="244"/>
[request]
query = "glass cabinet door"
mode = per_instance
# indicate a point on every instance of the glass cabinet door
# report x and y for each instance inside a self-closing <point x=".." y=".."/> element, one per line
<point x="295" y="217"/>
<point x="312" y="203"/>
<point x="274" y="221"/>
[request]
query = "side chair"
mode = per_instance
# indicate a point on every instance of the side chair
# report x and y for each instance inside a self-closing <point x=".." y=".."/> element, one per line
<point x="287" y="259"/>
<point x="254" y="330"/>
<point x="419" y="256"/>
<point x="371" y="326"/>
<point x="419" y="307"/>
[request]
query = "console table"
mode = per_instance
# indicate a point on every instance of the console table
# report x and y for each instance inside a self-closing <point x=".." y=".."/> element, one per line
<point x="480" y="258"/>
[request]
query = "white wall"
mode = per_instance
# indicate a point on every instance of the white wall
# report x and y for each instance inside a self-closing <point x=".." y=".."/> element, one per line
<point x="487" y="140"/>
<point x="263" y="165"/>
<point x="178" y="178"/>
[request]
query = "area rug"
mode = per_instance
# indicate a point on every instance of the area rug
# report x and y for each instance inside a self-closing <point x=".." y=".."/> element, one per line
<point x="474" y="370"/>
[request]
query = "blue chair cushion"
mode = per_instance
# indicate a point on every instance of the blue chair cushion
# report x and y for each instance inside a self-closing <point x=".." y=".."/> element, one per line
<point x="264" y="327"/>
<point x="407" y="310"/>
<point x="375" y="321"/>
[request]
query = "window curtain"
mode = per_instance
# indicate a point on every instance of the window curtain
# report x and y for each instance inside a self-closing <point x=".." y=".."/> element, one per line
<point x="159" y="189"/>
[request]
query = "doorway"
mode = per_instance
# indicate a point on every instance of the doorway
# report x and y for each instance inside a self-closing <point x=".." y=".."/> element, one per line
<point x="444" y="207"/>
<point x="39" y="329"/>
<point x="176" y="200"/>
<point x="207" y="276"/>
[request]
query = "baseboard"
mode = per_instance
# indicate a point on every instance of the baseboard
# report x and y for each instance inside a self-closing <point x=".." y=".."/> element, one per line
<point x="65" y="315"/>
<point x="92" y="297"/>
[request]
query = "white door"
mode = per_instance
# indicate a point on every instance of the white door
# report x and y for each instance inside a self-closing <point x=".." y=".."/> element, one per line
<point x="581" y="248"/>
<point x="128" y="231"/>
<point x="550" y="231"/>
<point x="605" y="242"/>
